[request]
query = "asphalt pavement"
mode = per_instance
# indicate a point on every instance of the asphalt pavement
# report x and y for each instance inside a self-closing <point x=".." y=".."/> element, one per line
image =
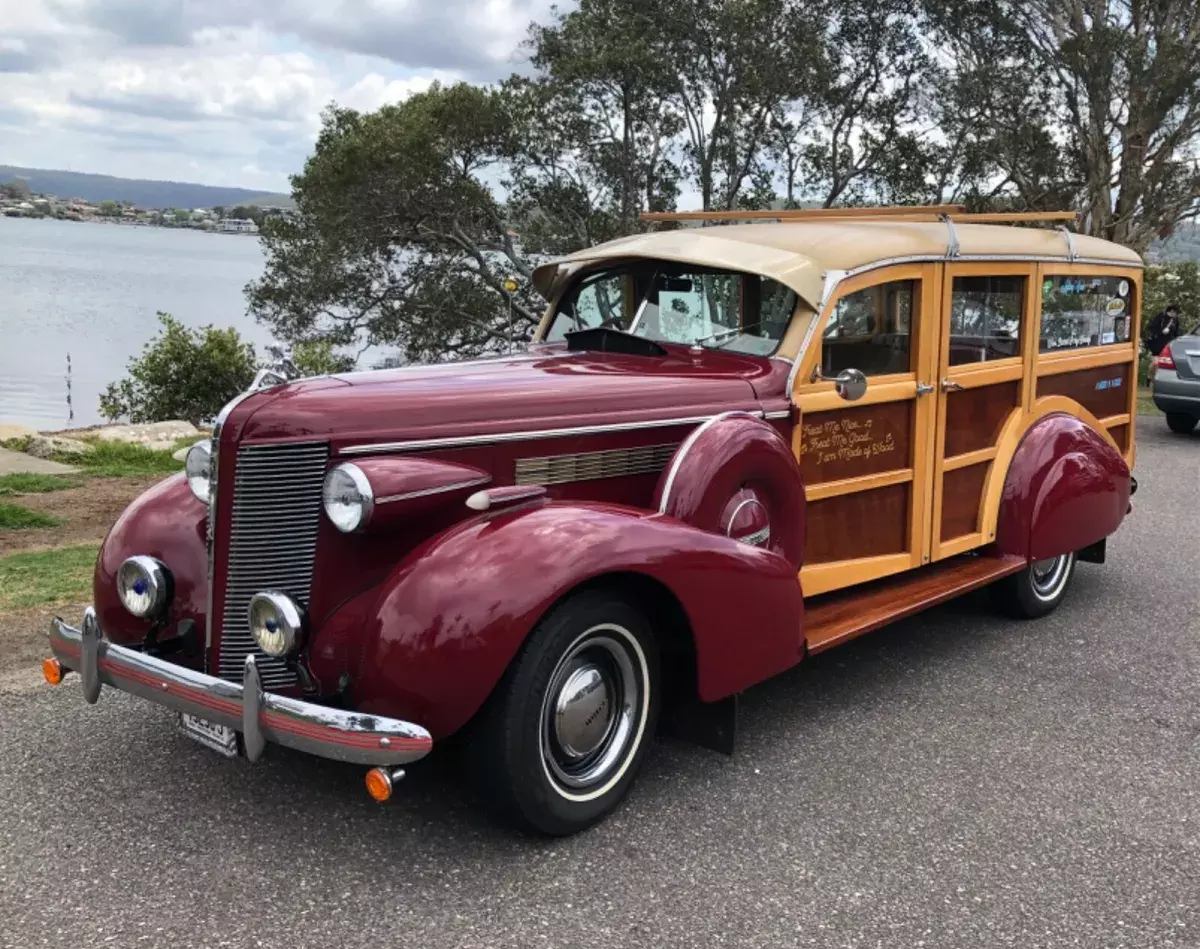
<point x="956" y="780"/>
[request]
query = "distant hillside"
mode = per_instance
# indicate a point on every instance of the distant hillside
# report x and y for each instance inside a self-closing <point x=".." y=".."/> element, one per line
<point x="1184" y="244"/>
<point x="143" y="193"/>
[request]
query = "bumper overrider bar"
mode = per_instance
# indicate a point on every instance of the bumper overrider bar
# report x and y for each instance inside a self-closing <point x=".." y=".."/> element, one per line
<point x="260" y="716"/>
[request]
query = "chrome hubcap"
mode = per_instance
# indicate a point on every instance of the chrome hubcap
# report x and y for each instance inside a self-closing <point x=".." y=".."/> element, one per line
<point x="594" y="712"/>
<point x="1049" y="575"/>
<point x="583" y="712"/>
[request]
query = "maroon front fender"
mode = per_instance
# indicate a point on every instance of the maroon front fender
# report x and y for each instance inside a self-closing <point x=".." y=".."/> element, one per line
<point x="451" y="617"/>
<point x="1066" y="488"/>
<point x="168" y="523"/>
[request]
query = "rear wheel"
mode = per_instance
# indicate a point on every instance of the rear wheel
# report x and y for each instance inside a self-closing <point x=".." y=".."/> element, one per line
<point x="1181" y="424"/>
<point x="1036" y="590"/>
<point x="560" y="741"/>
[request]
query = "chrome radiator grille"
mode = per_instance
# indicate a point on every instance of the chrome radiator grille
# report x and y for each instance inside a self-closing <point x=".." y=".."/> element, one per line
<point x="592" y="465"/>
<point x="272" y="545"/>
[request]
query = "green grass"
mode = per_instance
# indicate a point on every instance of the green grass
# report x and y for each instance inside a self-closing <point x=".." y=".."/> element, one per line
<point x="1146" y="404"/>
<point x="33" y="484"/>
<point x="14" y="517"/>
<point x="118" y="459"/>
<point x="47" y="577"/>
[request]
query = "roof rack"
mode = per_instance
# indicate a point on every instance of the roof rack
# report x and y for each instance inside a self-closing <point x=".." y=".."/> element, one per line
<point x="935" y="212"/>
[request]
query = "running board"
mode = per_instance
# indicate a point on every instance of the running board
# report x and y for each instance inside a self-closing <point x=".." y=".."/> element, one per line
<point x="833" y="618"/>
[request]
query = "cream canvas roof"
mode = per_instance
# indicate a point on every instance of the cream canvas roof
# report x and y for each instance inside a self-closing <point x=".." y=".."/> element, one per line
<point x="799" y="254"/>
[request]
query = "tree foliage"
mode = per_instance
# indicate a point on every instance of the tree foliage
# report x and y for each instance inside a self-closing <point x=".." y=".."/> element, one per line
<point x="181" y="374"/>
<point x="190" y="374"/>
<point x="1088" y="104"/>
<point x="413" y="221"/>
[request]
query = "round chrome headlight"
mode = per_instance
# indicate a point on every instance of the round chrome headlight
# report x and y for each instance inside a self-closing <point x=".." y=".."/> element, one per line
<point x="143" y="584"/>
<point x="348" y="497"/>
<point x="276" y="623"/>
<point x="198" y="468"/>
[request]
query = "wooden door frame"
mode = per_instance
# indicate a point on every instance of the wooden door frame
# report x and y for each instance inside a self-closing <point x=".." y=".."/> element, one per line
<point x="975" y="375"/>
<point x="821" y="396"/>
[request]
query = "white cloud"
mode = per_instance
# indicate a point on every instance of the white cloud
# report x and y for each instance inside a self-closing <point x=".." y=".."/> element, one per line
<point x="225" y="91"/>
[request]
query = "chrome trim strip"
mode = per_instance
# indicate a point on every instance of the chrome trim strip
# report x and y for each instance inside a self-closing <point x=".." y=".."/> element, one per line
<point x="991" y="258"/>
<point x="316" y="729"/>
<point x="535" y="434"/>
<point x="776" y="416"/>
<point x="686" y="447"/>
<point x="1072" y="253"/>
<point x="458" y="486"/>
<point x="952" y="245"/>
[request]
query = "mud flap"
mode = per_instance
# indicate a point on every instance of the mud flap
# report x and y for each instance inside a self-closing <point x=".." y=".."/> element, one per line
<point x="711" y="725"/>
<point x="1094" y="553"/>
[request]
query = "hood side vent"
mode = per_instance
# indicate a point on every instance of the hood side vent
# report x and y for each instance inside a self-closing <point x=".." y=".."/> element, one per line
<point x="594" y="465"/>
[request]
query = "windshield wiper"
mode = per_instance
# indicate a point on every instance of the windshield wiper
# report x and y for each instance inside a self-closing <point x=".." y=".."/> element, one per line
<point x="727" y="334"/>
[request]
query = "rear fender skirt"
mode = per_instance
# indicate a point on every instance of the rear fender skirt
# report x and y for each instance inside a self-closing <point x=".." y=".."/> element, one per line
<point x="1067" y="488"/>
<point x="450" y="618"/>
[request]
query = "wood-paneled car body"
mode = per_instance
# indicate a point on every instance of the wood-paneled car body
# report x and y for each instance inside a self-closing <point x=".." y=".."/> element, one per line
<point x="727" y="448"/>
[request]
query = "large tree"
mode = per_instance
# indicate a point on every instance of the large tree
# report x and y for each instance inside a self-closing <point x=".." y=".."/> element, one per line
<point x="398" y="236"/>
<point x="1092" y="103"/>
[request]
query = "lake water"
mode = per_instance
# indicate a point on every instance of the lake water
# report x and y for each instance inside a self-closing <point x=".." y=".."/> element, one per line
<point x="92" y="291"/>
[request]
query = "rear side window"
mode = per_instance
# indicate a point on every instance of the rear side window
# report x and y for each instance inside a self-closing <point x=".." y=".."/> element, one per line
<point x="1081" y="311"/>
<point x="985" y="319"/>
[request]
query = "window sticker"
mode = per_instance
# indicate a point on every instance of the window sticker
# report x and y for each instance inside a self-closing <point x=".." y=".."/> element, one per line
<point x="1108" y="338"/>
<point x="1123" y="288"/>
<point x="1116" y="306"/>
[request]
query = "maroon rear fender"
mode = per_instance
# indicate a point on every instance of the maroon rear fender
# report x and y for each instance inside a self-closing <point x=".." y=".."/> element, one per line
<point x="736" y="476"/>
<point x="451" y="617"/>
<point x="1066" y="488"/>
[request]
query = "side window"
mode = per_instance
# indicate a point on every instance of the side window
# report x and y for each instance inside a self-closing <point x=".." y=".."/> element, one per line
<point x="1085" y="311"/>
<point x="985" y="319"/>
<point x="871" y="330"/>
<point x="602" y="300"/>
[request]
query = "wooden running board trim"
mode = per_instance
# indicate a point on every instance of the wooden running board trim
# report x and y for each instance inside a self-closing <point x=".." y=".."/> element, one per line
<point x="833" y="618"/>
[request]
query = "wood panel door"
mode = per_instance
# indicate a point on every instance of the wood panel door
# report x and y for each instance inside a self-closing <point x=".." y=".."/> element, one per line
<point x="986" y="344"/>
<point x="865" y="464"/>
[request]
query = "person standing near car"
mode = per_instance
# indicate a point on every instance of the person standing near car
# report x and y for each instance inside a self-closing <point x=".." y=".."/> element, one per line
<point x="1162" y="330"/>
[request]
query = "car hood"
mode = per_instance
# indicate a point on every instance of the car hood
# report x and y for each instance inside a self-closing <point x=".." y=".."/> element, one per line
<point x="537" y="391"/>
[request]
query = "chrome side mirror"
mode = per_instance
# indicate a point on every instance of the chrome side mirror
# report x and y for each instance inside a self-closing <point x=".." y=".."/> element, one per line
<point x="850" y="384"/>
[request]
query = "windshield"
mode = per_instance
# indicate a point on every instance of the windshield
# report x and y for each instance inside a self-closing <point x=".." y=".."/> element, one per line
<point x="678" y="303"/>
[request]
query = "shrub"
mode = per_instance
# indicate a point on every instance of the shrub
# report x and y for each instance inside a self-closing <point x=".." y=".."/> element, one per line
<point x="1177" y="283"/>
<point x="181" y="373"/>
<point x="191" y="374"/>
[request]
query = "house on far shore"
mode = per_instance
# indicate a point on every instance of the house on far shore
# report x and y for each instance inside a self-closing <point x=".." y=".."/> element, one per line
<point x="234" y="225"/>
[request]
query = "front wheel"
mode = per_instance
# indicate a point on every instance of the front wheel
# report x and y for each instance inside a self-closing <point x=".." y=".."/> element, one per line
<point x="1037" y="589"/>
<point x="559" y="742"/>
<point x="1181" y="424"/>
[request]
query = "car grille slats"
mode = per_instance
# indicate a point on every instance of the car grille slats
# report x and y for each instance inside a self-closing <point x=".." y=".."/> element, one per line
<point x="272" y="546"/>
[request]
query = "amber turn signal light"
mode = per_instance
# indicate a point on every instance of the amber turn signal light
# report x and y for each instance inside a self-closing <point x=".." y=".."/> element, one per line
<point x="379" y="784"/>
<point x="53" y="671"/>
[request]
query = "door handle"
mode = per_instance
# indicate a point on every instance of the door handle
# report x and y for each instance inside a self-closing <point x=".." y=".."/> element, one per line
<point x="949" y="385"/>
<point x="923" y="388"/>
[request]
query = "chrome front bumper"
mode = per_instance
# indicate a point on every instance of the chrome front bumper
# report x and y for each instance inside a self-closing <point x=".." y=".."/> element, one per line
<point x="260" y="716"/>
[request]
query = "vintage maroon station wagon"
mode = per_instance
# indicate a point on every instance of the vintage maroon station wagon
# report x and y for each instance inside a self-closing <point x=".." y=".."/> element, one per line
<point x="727" y="448"/>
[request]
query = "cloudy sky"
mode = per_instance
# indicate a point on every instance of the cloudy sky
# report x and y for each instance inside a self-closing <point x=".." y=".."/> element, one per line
<point x="225" y="92"/>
